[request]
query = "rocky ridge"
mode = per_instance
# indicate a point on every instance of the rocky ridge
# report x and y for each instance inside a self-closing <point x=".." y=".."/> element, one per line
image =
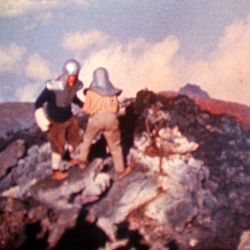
<point x="240" y="111"/>
<point x="189" y="187"/>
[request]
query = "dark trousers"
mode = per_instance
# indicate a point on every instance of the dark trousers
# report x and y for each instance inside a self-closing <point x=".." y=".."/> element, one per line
<point x="60" y="133"/>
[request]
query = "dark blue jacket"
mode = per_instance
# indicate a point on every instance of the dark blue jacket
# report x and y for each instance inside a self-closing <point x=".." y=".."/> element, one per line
<point x="58" y="113"/>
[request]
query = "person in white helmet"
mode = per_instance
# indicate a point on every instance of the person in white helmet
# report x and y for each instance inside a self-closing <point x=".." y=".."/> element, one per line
<point x="102" y="106"/>
<point x="58" y="120"/>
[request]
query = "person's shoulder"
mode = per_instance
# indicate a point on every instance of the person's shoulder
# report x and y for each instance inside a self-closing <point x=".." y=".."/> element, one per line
<point x="47" y="92"/>
<point x="91" y="92"/>
<point x="78" y="85"/>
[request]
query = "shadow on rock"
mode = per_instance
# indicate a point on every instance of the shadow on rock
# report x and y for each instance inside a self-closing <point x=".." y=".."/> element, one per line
<point x="33" y="241"/>
<point x="83" y="236"/>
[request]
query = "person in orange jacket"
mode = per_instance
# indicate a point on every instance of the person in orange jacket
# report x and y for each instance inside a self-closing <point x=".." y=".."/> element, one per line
<point x="102" y="106"/>
<point x="58" y="120"/>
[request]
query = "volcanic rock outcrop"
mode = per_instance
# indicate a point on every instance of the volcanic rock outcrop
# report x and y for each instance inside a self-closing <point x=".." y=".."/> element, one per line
<point x="240" y="111"/>
<point x="188" y="189"/>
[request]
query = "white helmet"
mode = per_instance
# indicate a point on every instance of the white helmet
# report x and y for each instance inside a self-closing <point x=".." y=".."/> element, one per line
<point x="71" y="67"/>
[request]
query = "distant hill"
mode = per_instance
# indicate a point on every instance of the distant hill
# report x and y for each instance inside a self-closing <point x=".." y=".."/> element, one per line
<point x="16" y="115"/>
<point x="192" y="89"/>
<point x="239" y="111"/>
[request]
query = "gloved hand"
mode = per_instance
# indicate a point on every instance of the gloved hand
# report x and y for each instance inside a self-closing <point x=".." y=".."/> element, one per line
<point x="42" y="120"/>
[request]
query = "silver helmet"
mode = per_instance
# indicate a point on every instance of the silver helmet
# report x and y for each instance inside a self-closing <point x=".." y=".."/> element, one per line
<point x="102" y="85"/>
<point x="71" y="67"/>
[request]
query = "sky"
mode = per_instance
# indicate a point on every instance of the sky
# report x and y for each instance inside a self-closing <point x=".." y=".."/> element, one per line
<point x="160" y="45"/>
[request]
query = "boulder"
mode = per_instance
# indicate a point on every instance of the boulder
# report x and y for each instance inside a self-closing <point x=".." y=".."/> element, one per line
<point x="10" y="156"/>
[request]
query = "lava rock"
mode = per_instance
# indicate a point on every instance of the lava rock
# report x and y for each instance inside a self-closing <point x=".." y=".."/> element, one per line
<point x="10" y="156"/>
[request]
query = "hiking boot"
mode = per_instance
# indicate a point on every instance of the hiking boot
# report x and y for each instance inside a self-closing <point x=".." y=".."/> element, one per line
<point x="73" y="162"/>
<point x="59" y="175"/>
<point x="124" y="173"/>
<point x="82" y="164"/>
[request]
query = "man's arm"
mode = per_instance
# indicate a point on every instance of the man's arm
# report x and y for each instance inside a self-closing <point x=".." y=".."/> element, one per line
<point x="42" y="98"/>
<point x="77" y="101"/>
<point x="40" y="116"/>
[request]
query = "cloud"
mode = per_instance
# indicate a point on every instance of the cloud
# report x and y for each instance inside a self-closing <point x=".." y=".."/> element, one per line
<point x="77" y="41"/>
<point x="28" y="93"/>
<point x="135" y="65"/>
<point x="11" y="57"/>
<point x="45" y="16"/>
<point x="37" y="68"/>
<point x="30" y="26"/>
<point x="83" y="3"/>
<point x="138" y="64"/>
<point x="225" y="73"/>
<point x="13" y="8"/>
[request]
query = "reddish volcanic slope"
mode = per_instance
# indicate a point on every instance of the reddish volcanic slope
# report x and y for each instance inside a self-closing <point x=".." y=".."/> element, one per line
<point x="239" y="111"/>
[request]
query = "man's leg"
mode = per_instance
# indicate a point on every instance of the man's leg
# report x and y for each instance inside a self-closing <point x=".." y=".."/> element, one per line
<point x="93" y="127"/>
<point x="113" y="137"/>
<point x="73" y="138"/>
<point x="56" y="137"/>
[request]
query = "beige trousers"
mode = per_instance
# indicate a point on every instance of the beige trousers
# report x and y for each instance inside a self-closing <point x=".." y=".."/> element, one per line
<point x="109" y="125"/>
